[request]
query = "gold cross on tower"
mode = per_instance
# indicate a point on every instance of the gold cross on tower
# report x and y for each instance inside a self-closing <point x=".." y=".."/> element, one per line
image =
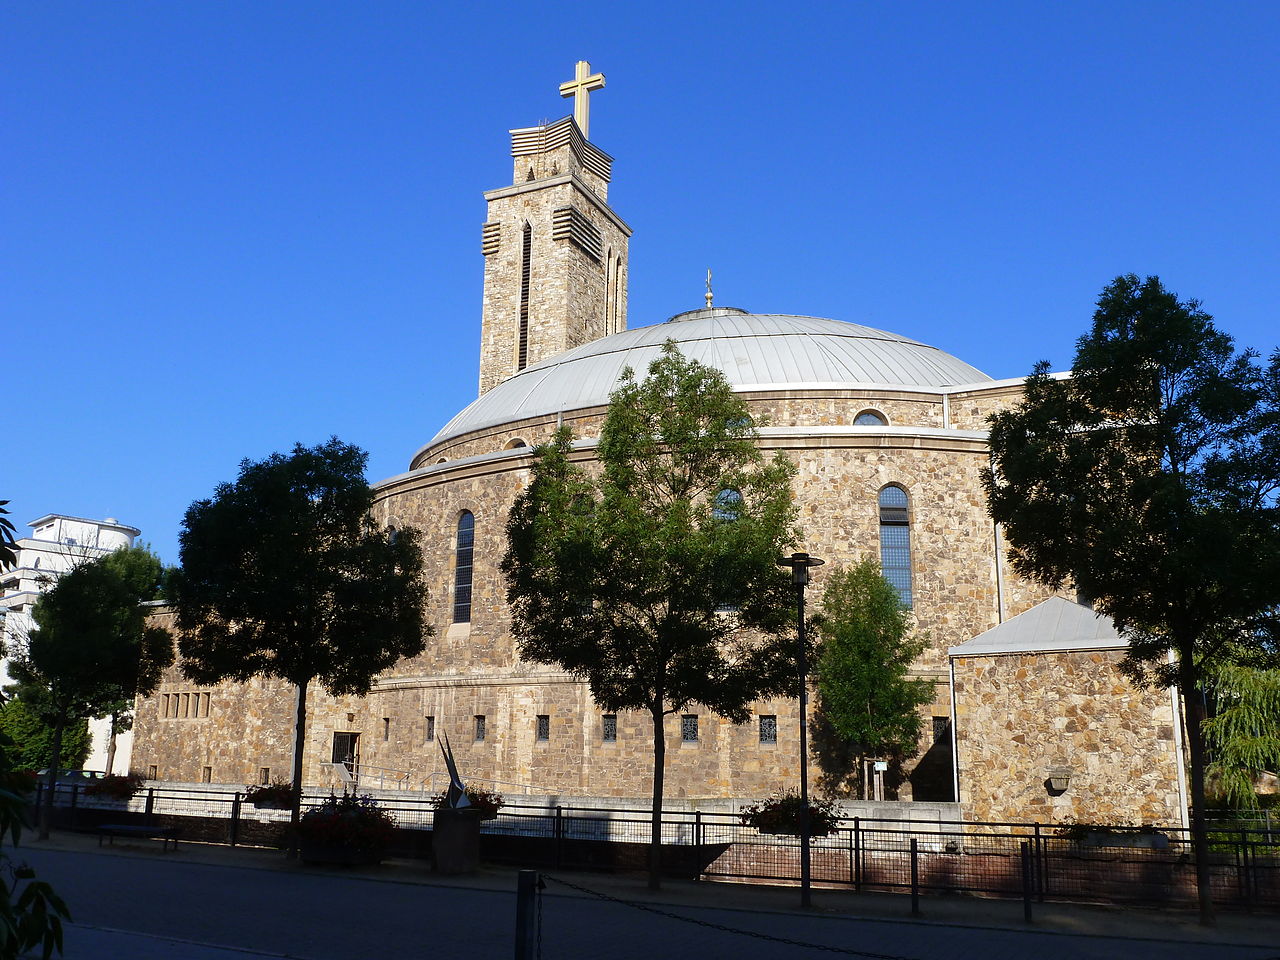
<point x="580" y="87"/>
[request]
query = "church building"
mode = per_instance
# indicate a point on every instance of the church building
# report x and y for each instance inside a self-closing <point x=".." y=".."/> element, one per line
<point x="1030" y="719"/>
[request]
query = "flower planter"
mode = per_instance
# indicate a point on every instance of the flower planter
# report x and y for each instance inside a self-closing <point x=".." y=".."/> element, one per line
<point x="335" y="854"/>
<point x="1150" y="840"/>
<point x="793" y="832"/>
<point x="272" y="804"/>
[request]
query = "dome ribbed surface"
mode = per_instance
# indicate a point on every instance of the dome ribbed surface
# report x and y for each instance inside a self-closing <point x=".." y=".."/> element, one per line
<point x="764" y="351"/>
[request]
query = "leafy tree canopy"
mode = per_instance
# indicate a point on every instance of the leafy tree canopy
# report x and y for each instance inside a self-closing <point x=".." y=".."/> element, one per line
<point x="655" y="576"/>
<point x="1149" y="478"/>
<point x="32" y="739"/>
<point x="1243" y="733"/>
<point x="8" y="544"/>
<point x="626" y="578"/>
<point x="91" y="649"/>
<point x="285" y="574"/>
<point x="863" y="684"/>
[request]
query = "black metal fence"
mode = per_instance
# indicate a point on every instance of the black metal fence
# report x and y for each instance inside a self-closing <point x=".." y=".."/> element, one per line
<point x="1043" y="862"/>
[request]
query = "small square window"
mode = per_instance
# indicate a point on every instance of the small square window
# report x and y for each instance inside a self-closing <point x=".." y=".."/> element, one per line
<point x="206" y="774"/>
<point x="609" y="728"/>
<point x="386" y="728"/>
<point x="768" y="728"/>
<point x="689" y="728"/>
<point x="431" y="728"/>
<point x="480" y="726"/>
<point x="544" y="726"/>
<point x="152" y="772"/>
<point x="264" y="775"/>
<point x="204" y="704"/>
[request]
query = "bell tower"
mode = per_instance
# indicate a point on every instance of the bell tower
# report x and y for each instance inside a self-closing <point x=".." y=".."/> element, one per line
<point x="555" y="253"/>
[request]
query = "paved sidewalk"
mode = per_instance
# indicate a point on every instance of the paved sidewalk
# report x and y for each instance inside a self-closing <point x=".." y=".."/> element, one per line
<point x="191" y="895"/>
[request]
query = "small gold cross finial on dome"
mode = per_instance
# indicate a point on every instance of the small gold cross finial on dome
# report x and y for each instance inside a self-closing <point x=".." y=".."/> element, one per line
<point x="708" y="288"/>
<point x="580" y="87"/>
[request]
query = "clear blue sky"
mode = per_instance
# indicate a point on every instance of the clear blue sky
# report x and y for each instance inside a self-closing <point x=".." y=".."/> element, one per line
<point x="232" y="226"/>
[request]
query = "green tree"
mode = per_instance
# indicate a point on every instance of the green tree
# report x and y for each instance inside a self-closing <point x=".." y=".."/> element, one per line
<point x="91" y="650"/>
<point x="656" y="579"/>
<point x="1148" y="478"/>
<point x="32" y="738"/>
<point x="8" y="545"/>
<point x="864" y="689"/>
<point x="31" y="914"/>
<point x="285" y="574"/>
<point x="1243" y="734"/>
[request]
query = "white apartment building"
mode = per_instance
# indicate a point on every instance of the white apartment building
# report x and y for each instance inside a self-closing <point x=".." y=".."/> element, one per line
<point x="58" y="543"/>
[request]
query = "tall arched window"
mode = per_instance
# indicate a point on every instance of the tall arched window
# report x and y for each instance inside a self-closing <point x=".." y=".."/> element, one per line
<point x="463" y="555"/>
<point x="727" y="505"/>
<point x="895" y="540"/>
<point x="727" y="508"/>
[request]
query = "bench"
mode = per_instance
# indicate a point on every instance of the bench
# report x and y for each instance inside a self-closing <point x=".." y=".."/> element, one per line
<point x="166" y="835"/>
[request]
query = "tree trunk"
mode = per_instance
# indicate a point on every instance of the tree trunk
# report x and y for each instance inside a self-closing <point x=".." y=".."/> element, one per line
<point x="299" y="744"/>
<point x="111" y="746"/>
<point x="655" y="822"/>
<point x="51" y="784"/>
<point x="1193" y="715"/>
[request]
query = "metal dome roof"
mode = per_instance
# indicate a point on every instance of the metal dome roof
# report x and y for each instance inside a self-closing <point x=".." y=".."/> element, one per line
<point x="754" y="351"/>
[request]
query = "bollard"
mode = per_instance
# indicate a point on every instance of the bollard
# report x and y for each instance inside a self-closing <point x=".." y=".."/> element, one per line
<point x="559" y="837"/>
<point x="915" y="877"/>
<point x="235" y="819"/>
<point x="857" y="854"/>
<point x="1026" y="881"/>
<point x="150" y="809"/>
<point x="526" y="914"/>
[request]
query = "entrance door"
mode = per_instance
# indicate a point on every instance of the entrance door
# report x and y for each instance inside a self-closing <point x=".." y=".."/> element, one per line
<point x="346" y="750"/>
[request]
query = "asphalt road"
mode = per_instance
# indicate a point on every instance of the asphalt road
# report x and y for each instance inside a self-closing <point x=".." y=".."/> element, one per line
<point x="146" y="907"/>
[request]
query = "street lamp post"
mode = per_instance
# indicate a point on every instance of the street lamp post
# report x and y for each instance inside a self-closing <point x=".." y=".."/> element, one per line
<point x="800" y="564"/>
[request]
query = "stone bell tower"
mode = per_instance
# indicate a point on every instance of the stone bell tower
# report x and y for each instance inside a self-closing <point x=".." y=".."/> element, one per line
<point x="555" y="253"/>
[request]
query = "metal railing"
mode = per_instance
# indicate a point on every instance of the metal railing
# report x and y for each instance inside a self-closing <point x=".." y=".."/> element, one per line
<point x="1040" y="861"/>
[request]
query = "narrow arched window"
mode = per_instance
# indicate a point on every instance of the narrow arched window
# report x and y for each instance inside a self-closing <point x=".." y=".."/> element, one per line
<point x="870" y="418"/>
<point x="727" y="505"/>
<point x="727" y="508"/>
<point x="895" y="540"/>
<point x="463" y="553"/>
<point x="609" y="279"/>
<point x="526" y="271"/>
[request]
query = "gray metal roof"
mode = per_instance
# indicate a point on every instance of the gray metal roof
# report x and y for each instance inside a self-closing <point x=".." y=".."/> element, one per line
<point x="764" y="351"/>
<point x="1056" y="625"/>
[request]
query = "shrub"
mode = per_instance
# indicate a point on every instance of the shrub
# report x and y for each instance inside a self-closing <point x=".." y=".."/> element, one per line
<point x="780" y="813"/>
<point x="486" y="802"/>
<point x="115" y="787"/>
<point x="349" y="821"/>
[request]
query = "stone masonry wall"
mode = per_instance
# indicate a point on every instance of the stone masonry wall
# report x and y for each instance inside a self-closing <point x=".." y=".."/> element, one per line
<point x="239" y="730"/>
<point x="567" y="290"/>
<point x="1018" y="715"/>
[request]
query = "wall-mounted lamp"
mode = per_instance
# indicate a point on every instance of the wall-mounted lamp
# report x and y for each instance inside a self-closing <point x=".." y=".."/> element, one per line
<point x="351" y="718"/>
<point x="1058" y="780"/>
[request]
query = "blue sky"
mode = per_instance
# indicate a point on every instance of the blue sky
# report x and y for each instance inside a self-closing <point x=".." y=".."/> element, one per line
<point x="230" y="227"/>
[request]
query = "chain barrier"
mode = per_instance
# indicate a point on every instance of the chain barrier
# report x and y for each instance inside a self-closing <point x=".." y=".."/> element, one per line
<point x="707" y="923"/>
